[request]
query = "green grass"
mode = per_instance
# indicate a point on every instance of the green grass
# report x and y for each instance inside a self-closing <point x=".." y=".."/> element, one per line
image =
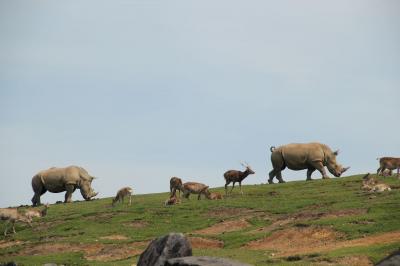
<point x="83" y="223"/>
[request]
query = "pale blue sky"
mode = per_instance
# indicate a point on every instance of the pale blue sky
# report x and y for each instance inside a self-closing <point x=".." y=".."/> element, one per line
<point x="139" y="91"/>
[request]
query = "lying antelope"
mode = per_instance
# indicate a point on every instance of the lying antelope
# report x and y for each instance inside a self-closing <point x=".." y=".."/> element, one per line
<point x="175" y="184"/>
<point x="370" y="184"/>
<point x="214" y="196"/>
<point x="37" y="213"/>
<point x="121" y="194"/>
<point x="390" y="163"/>
<point x="195" y="188"/>
<point x="11" y="216"/>
<point x="172" y="201"/>
<point x="237" y="176"/>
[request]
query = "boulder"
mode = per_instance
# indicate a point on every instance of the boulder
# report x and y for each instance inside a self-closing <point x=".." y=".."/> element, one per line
<point x="173" y="245"/>
<point x="202" y="261"/>
<point x="391" y="260"/>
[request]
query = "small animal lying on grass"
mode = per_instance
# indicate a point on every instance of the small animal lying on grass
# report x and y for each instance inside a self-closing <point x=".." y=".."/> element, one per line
<point x="172" y="201"/>
<point x="370" y="184"/>
<point x="195" y="188"/>
<point x="11" y="215"/>
<point x="37" y="213"/>
<point x="121" y="194"/>
<point x="214" y="196"/>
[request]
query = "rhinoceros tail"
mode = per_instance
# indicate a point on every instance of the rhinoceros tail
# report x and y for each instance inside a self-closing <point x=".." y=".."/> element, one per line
<point x="272" y="148"/>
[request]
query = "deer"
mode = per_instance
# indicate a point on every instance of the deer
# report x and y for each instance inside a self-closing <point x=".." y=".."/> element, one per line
<point x="390" y="163"/>
<point x="370" y="184"/>
<point x="121" y="194"/>
<point x="237" y="176"/>
<point x="37" y="213"/>
<point x="214" y="196"/>
<point x="11" y="215"/>
<point x="172" y="200"/>
<point x="195" y="188"/>
<point x="175" y="183"/>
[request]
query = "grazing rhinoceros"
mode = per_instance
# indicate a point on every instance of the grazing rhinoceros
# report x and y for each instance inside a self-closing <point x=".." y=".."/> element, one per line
<point x="62" y="179"/>
<point x="300" y="156"/>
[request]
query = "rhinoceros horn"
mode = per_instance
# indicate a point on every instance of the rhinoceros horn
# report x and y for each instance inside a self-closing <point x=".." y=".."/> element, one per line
<point x="344" y="169"/>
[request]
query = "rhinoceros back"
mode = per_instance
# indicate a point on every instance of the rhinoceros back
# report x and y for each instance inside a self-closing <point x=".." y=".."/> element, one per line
<point x="297" y="156"/>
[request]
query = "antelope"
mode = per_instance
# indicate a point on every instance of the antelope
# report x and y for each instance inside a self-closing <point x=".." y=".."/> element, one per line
<point x="11" y="216"/>
<point x="37" y="213"/>
<point x="175" y="183"/>
<point x="237" y="176"/>
<point x="372" y="185"/>
<point x="195" y="188"/>
<point x="214" y="196"/>
<point x="172" y="200"/>
<point x="121" y="194"/>
<point x="390" y="163"/>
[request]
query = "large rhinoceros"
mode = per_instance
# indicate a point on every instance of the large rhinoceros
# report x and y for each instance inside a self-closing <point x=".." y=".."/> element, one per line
<point x="62" y="179"/>
<point x="299" y="156"/>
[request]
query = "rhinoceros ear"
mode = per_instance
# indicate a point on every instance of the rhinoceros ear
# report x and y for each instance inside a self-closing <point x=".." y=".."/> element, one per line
<point x="336" y="152"/>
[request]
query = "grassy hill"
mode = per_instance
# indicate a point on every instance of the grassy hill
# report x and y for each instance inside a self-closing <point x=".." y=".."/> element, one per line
<point x="323" y="222"/>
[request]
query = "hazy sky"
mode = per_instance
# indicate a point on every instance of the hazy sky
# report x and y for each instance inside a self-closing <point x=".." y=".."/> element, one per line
<point x="139" y="91"/>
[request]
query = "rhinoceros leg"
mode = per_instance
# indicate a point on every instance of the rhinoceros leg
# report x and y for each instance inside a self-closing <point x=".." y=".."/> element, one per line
<point x="68" y="195"/>
<point x="279" y="176"/>
<point x="309" y="173"/>
<point x="271" y="176"/>
<point x="320" y="167"/>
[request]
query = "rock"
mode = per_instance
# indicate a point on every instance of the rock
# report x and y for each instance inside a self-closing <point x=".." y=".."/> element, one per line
<point x="391" y="260"/>
<point x="173" y="245"/>
<point x="202" y="261"/>
<point x="8" y="264"/>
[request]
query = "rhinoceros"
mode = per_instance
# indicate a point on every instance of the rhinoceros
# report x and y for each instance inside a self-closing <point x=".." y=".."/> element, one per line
<point x="62" y="179"/>
<point x="299" y="156"/>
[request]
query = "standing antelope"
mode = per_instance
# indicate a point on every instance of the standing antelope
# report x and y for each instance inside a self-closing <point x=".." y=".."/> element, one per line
<point x="11" y="216"/>
<point x="389" y="163"/>
<point x="175" y="183"/>
<point x="195" y="188"/>
<point x="121" y="194"/>
<point x="237" y="176"/>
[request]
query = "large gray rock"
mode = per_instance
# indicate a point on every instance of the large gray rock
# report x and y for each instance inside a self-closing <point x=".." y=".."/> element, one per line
<point x="202" y="261"/>
<point x="391" y="260"/>
<point x="173" y="245"/>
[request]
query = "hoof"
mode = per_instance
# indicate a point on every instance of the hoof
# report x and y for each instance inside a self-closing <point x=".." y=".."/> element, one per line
<point x="281" y="181"/>
<point x="309" y="179"/>
<point x="270" y="182"/>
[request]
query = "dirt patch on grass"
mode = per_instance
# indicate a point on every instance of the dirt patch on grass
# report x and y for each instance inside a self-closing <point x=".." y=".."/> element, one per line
<point x="100" y="217"/>
<point x="137" y="224"/>
<point x="228" y="212"/>
<point x="304" y="240"/>
<point x="307" y="215"/>
<point x="223" y="227"/>
<point x="98" y="252"/>
<point x="7" y="244"/>
<point x="41" y="226"/>
<point x="199" y="242"/>
<point x="111" y="252"/>
<point x="49" y="248"/>
<point x="114" y="237"/>
<point x="296" y="240"/>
